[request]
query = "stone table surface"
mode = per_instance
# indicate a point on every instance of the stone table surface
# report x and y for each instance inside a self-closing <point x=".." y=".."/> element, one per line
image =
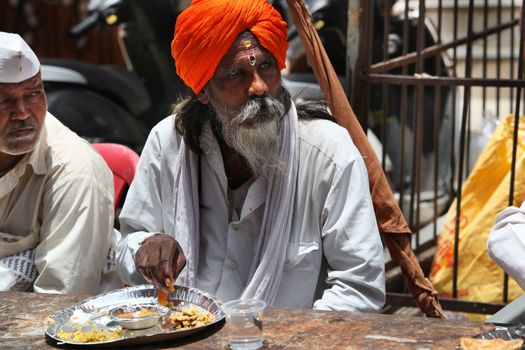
<point x="22" y="326"/>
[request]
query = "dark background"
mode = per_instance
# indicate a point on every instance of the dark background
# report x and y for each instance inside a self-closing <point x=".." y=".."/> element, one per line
<point x="45" y="24"/>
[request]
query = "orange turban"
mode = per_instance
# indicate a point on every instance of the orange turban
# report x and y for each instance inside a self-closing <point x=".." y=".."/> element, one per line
<point x="205" y="31"/>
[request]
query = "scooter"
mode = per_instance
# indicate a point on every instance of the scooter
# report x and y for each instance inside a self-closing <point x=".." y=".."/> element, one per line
<point x="101" y="104"/>
<point x="111" y="103"/>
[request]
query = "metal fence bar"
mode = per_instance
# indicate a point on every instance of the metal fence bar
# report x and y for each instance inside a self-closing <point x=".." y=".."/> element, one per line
<point x="454" y="102"/>
<point x="437" y="127"/>
<point x="361" y="100"/>
<point x="466" y="101"/>
<point x="403" y="109"/>
<point x="515" y="138"/>
<point x="485" y="47"/>
<point x="498" y="58"/>
<point x="512" y="10"/>
<point x="384" y="86"/>
<point x="419" y="115"/>
<point x="434" y="81"/>
<point x="400" y="299"/>
<point x="427" y="90"/>
<point x="352" y="51"/>
<point x="436" y="49"/>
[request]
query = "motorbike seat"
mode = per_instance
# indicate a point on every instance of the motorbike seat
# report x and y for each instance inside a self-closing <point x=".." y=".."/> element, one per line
<point x="123" y="163"/>
<point x="113" y="81"/>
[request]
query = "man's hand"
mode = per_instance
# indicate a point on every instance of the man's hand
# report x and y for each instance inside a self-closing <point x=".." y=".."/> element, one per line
<point x="160" y="257"/>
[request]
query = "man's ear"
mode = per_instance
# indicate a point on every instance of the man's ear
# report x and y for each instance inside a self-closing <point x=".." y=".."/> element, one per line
<point x="203" y="98"/>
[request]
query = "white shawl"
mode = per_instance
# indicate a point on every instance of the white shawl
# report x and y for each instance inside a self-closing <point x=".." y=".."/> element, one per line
<point x="270" y="253"/>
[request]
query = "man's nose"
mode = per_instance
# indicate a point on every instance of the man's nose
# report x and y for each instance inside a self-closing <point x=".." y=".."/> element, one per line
<point x="258" y="86"/>
<point x="19" y="110"/>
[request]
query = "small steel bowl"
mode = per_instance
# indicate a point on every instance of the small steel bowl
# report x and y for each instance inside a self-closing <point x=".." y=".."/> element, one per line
<point x="130" y="316"/>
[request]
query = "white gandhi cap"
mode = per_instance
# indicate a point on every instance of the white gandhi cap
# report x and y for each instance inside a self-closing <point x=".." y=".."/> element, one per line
<point x="17" y="61"/>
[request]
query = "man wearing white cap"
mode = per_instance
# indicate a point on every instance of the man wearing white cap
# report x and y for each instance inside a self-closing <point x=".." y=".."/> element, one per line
<point x="56" y="192"/>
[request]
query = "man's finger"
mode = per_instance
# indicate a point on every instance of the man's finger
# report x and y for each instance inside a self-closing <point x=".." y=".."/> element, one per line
<point x="148" y="263"/>
<point x="146" y="273"/>
<point x="167" y="266"/>
<point x="158" y="271"/>
<point x="181" y="262"/>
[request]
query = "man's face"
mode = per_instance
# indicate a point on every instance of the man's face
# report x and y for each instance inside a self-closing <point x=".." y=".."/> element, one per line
<point x="247" y="70"/>
<point x="22" y="113"/>
<point x="245" y="94"/>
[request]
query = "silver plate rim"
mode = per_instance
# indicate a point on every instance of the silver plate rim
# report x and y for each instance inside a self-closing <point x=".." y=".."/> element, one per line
<point x="148" y="292"/>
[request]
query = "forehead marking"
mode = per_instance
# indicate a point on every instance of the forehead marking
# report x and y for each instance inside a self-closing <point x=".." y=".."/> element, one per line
<point x="252" y="59"/>
<point x="247" y="43"/>
<point x="250" y="44"/>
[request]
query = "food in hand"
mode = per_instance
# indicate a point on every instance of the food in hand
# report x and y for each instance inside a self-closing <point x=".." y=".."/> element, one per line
<point x="163" y="298"/>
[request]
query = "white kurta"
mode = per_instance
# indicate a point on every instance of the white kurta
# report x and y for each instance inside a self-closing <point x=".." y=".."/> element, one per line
<point x="334" y="256"/>
<point x="506" y="243"/>
<point x="58" y="201"/>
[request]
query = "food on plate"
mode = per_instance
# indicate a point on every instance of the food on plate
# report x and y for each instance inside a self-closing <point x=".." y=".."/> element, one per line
<point x="90" y="336"/>
<point x="188" y="317"/>
<point x="142" y="312"/>
<point x="138" y="316"/>
<point x="492" y="344"/>
<point x="102" y="319"/>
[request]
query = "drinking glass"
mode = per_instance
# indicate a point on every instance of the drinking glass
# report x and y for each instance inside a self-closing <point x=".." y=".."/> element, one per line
<point x="244" y="323"/>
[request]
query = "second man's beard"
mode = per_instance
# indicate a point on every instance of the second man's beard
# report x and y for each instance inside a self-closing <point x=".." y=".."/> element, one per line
<point x="254" y="131"/>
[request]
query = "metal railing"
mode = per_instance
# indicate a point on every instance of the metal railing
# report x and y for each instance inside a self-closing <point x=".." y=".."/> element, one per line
<point x="421" y="76"/>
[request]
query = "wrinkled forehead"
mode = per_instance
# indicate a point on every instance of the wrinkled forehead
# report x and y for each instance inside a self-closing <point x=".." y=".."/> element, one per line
<point x="34" y="82"/>
<point x="245" y="44"/>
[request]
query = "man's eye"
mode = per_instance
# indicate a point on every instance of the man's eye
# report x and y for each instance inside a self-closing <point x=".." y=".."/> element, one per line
<point x="234" y="72"/>
<point x="35" y="93"/>
<point x="3" y="100"/>
<point x="266" y="63"/>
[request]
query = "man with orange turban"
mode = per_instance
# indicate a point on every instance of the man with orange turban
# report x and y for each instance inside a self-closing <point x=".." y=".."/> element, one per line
<point x="243" y="195"/>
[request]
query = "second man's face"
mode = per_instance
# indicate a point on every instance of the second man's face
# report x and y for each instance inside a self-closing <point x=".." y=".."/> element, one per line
<point x="22" y="114"/>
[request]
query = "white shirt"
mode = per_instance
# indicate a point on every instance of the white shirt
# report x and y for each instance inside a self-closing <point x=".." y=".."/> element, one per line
<point x="334" y="238"/>
<point x="58" y="200"/>
<point x="506" y="243"/>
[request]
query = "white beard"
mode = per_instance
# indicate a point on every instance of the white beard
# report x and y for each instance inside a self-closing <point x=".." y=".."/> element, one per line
<point x="257" y="145"/>
<point x="254" y="132"/>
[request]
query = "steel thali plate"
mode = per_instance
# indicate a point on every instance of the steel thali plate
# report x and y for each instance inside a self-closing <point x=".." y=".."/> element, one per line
<point x="94" y="312"/>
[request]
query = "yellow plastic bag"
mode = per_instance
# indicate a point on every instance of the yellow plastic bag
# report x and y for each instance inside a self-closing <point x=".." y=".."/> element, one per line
<point x="485" y="194"/>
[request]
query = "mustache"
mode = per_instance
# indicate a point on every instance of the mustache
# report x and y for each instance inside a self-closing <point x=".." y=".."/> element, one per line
<point x="16" y="125"/>
<point x="259" y="106"/>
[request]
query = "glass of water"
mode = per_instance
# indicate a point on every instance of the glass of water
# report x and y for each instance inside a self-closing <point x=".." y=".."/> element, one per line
<point x="244" y="323"/>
